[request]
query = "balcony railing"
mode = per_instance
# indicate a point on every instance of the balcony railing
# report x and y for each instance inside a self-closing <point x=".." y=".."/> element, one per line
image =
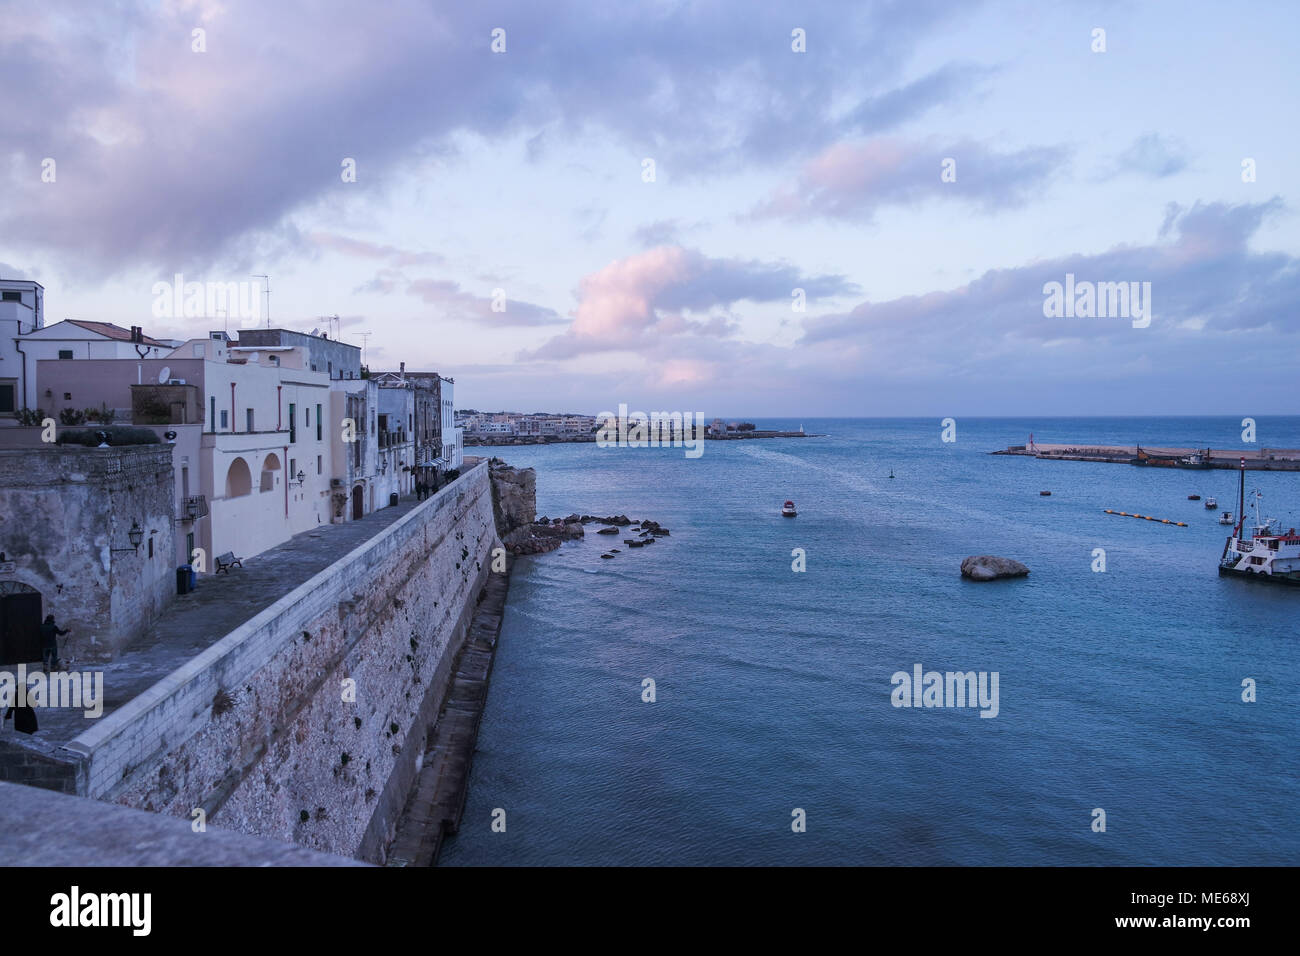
<point x="193" y="507"/>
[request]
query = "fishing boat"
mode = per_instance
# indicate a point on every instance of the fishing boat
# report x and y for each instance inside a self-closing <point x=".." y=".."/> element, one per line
<point x="1211" y="504"/>
<point x="1225" y="517"/>
<point x="787" y="509"/>
<point x="1266" y="553"/>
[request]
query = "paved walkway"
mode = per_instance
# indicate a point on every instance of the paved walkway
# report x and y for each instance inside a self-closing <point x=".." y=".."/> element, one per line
<point x="198" y="620"/>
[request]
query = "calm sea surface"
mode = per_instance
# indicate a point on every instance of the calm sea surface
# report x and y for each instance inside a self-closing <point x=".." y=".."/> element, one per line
<point x="1119" y="690"/>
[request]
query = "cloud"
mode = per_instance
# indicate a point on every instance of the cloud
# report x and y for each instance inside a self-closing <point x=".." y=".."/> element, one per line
<point x="359" y="248"/>
<point x="170" y="158"/>
<point x="1153" y="156"/>
<point x="1205" y="282"/>
<point x="852" y="181"/>
<point x="660" y="292"/>
<point x="878" y="113"/>
<point x="450" y="301"/>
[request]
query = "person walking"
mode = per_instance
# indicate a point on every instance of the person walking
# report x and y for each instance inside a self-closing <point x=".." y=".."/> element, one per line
<point x="50" y="633"/>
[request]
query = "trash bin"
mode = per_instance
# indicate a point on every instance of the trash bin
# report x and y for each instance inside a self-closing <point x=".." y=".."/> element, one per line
<point x="392" y="499"/>
<point x="183" y="579"/>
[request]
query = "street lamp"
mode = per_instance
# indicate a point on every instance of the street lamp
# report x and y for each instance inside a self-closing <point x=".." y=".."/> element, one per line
<point x="299" y="478"/>
<point x="135" y="536"/>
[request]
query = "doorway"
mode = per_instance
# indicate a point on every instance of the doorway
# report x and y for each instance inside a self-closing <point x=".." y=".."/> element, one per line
<point x="358" y="504"/>
<point x="20" y="623"/>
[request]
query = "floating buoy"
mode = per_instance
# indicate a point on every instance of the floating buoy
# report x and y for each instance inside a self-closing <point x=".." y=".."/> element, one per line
<point x="1125" y="514"/>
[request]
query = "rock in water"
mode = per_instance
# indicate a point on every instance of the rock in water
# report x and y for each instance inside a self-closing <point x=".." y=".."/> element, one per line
<point x="988" y="567"/>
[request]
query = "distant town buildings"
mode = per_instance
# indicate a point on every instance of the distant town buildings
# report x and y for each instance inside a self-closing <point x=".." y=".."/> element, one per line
<point x="537" y="424"/>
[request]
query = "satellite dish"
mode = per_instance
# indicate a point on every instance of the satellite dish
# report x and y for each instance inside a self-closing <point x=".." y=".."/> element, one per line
<point x="165" y="374"/>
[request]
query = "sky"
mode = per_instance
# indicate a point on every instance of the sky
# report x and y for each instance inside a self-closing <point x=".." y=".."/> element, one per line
<point x="735" y="208"/>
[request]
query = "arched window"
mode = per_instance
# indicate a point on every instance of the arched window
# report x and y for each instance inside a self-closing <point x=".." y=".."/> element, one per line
<point x="269" y="468"/>
<point x="239" y="481"/>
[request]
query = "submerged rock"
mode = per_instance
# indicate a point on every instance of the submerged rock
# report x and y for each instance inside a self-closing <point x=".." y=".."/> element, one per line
<point x="988" y="567"/>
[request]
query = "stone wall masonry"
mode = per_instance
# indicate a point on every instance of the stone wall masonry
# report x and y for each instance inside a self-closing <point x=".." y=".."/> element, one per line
<point x="63" y="511"/>
<point x="255" y="730"/>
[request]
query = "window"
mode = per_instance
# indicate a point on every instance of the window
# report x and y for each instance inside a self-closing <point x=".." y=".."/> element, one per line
<point x="225" y="422"/>
<point x="67" y="396"/>
<point x="250" y="420"/>
<point x="65" y="353"/>
<point x="7" y="392"/>
<point x="151" y="546"/>
<point x="318" y="426"/>
<point x="11" y="295"/>
<point x="293" y="468"/>
<point x="318" y="464"/>
<point x="212" y="418"/>
<point x="307" y="417"/>
<point x="189" y="547"/>
<point x="293" y="423"/>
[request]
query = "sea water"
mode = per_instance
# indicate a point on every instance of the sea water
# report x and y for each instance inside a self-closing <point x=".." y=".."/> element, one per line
<point x="1119" y="690"/>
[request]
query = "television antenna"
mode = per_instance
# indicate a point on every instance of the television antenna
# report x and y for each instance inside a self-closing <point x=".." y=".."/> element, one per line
<point x="257" y="275"/>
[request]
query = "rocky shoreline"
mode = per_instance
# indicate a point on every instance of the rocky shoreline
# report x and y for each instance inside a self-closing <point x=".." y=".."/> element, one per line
<point x="547" y="534"/>
<point x="514" y="503"/>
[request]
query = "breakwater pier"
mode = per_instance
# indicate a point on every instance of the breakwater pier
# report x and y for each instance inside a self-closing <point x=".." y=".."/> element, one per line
<point x="1257" y="459"/>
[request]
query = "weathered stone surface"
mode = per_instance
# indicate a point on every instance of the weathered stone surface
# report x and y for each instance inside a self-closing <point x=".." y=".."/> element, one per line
<point x="42" y="828"/>
<point x="988" y="567"/>
<point x="330" y="692"/>
<point x="514" y="496"/>
<point x="65" y="513"/>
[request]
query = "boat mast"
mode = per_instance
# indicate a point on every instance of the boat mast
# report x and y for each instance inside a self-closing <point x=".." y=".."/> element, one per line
<point x="1241" y="498"/>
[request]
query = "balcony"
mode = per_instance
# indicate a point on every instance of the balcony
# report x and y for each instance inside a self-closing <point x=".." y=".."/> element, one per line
<point x="194" y="507"/>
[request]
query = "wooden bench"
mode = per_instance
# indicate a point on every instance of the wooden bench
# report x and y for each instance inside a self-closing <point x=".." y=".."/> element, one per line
<point x="227" y="561"/>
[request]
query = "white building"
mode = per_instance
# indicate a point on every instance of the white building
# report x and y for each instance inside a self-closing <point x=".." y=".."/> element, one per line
<point x="22" y="310"/>
<point x="78" y="339"/>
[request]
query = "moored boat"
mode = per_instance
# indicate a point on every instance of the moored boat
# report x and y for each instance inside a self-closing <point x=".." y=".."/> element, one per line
<point x="1211" y="504"/>
<point x="1225" y="517"/>
<point x="1193" y="497"/>
<point x="787" y="509"/>
<point x="1265" y="553"/>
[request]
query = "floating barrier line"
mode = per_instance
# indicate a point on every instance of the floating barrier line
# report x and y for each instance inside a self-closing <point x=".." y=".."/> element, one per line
<point x="1125" y="514"/>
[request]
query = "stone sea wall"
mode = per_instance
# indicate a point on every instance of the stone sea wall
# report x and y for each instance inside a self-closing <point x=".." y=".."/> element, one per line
<point x="308" y="723"/>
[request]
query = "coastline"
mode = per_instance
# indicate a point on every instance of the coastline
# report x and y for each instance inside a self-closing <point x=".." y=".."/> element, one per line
<point x="493" y="441"/>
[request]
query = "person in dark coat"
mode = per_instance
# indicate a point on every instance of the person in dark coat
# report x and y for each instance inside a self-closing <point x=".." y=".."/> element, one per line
<point x="24" y="719"/>
<point x="50" y="633"/>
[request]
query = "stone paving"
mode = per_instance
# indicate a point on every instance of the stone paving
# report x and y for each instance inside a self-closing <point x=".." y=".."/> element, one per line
<point x="195" y="621"/>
